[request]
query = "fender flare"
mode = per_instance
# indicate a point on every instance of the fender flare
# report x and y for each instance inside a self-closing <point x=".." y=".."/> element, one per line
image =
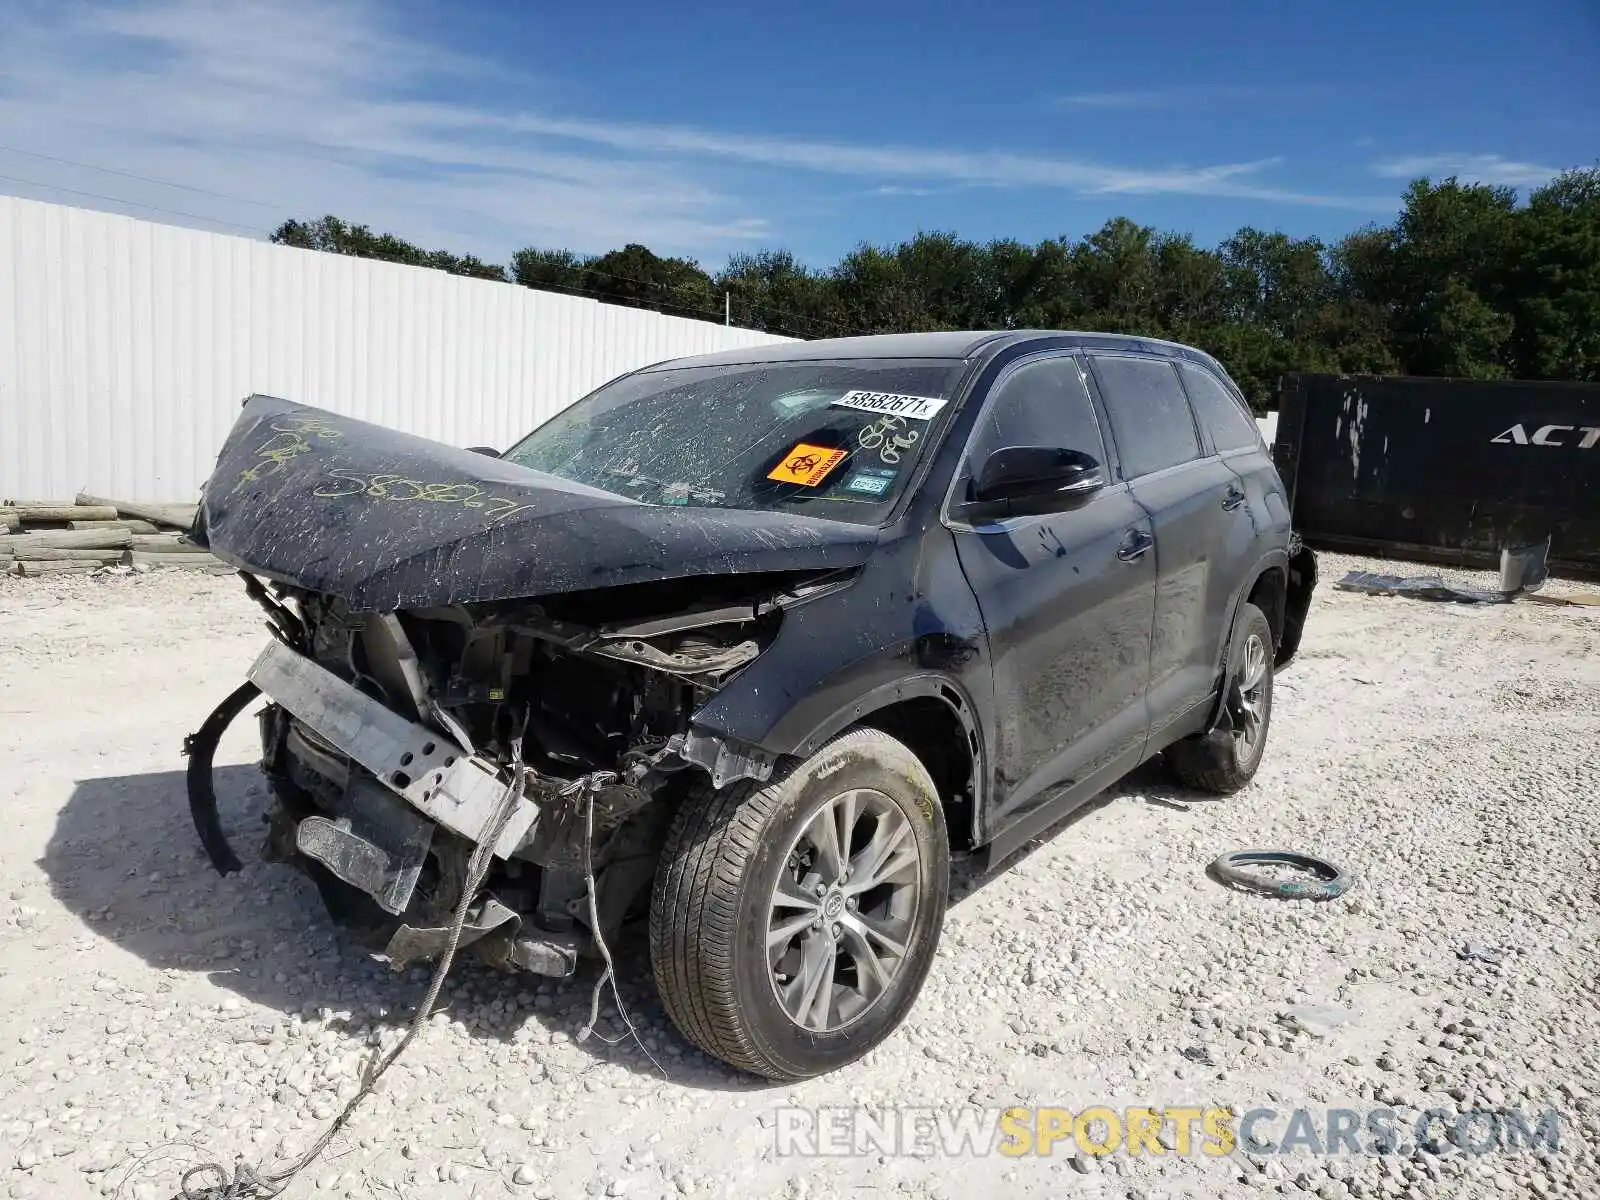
<point x="1297" y="601"/>
<point x="908" y="687"/>
<point x="942" y="688"/>
<point x="1273" y="559"/>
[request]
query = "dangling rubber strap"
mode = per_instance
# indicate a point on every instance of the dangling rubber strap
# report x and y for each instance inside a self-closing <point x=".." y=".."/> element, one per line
<point x="201" y="748"/>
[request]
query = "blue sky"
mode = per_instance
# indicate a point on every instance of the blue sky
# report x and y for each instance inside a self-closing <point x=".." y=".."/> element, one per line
<point x="486" y="125"/>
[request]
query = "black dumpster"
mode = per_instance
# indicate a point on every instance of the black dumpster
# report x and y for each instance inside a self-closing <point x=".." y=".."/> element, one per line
<point x="1443" y="470"/>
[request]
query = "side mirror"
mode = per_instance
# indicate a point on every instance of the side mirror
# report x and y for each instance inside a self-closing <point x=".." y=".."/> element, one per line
<point x="1031" y="480"/>
<point x="489" y="450"/>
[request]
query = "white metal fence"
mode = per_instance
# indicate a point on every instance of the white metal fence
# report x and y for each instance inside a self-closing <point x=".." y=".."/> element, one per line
<point x="1269" y="426"/>
<point x="127" y="346"/>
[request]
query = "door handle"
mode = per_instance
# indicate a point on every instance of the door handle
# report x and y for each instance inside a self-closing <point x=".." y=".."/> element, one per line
<point x="1232" y="498"/>
<point x="1135" y="545"/>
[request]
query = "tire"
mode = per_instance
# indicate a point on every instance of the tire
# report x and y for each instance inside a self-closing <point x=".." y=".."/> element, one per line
<point x="714" y="904"/>
<point x="1224" y="760"/>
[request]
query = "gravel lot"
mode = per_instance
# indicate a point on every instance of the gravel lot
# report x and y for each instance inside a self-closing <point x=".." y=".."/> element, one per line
<point x="156" y="1015"/>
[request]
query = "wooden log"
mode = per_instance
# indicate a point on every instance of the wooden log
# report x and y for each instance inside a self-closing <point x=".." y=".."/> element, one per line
<point x="166" y="543"/>
<point x="32" y="567"/>
<point x="128" y="523"/>
<point x="156" y="559"/>
<point x="66" y="512"/>
<point x="177" y="516"/>
<point x="46" y="554"/>
<point x="67" y="539"/>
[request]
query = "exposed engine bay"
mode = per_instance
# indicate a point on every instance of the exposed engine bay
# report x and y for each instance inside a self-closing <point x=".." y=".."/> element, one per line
<point x="389" y="738"/>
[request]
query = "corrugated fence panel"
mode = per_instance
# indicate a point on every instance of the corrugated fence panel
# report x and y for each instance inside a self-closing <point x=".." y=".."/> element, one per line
<point x="127" y="346"/>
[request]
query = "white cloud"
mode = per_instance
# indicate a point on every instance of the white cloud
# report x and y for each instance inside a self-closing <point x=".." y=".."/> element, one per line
<point x="1471" y="168"/>
<point x="1188" y="96"/>
<point x="985" y="168"/>
<point x="301" y="107"/>
<point x="275" y="108"/>
<point x="1145" y="99"/>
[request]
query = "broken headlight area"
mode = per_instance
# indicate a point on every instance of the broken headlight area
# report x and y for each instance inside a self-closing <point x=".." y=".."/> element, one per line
<point x="387" y="740"/>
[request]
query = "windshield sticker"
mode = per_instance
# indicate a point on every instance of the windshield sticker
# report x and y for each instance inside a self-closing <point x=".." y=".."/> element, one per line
<point x="888" y="436"/>
<point x="915" y="408"/>
<point x="870" y="482"/>
<point x="807" y="465"/>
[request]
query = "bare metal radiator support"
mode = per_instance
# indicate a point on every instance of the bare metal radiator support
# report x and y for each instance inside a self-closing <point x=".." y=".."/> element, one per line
<point x="426" y="769"/>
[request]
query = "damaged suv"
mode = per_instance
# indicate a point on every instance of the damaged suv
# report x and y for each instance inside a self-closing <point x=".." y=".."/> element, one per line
<point x="750" y="646"/>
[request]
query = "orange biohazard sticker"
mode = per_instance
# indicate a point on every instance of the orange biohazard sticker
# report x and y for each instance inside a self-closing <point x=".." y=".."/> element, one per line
<point x="807" y="465"/>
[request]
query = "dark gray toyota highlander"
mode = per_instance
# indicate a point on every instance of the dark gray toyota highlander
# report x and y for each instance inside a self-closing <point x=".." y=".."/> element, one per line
<point x="749" y="646"/>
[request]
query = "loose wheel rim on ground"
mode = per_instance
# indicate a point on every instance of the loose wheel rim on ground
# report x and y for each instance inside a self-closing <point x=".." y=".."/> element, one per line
<point x="841" y="915"/>
<point x="1323" y="880"/>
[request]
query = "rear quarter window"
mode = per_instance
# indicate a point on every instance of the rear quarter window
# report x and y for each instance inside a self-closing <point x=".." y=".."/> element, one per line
<point x="1150" y="416"/>
<point x="1232" y="428"/>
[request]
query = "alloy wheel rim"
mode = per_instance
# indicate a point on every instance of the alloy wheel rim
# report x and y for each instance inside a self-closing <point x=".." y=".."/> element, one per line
<point x="1251" y="706"/>
<point x="841" y="915"/>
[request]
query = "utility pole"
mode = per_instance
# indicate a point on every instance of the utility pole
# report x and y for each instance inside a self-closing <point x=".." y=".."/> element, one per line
<point x="727" y="309"/>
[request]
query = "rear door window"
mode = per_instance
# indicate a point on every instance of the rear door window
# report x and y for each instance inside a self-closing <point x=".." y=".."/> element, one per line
<point x="1150" y="416"/>
<point x="1232" y="428"/>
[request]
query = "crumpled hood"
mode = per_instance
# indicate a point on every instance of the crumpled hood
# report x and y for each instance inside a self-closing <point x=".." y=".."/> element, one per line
<point x="387" y="520"/>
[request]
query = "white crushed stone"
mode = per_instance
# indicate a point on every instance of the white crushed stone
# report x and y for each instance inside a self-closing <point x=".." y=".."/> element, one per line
<point x="156" y="1015"/>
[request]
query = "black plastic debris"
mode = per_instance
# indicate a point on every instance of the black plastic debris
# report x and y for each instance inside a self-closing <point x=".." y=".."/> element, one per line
<point x="1429" y="587"/>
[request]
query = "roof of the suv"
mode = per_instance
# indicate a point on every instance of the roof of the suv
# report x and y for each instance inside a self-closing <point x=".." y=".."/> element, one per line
<point x="952" y="345"/>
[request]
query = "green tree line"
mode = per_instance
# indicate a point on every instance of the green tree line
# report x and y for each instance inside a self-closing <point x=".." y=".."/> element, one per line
<point x="1468" y="281"/>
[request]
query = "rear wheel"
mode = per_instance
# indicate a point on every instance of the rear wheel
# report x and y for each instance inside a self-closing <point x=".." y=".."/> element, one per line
<point x="1226" y="759"/>
<point x="793" y="924"/>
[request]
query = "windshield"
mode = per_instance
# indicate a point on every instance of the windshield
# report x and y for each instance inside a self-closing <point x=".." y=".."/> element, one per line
<point x="836" y="439"/>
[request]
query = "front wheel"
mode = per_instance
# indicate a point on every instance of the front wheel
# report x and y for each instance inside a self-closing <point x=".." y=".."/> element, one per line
<point x="792" y="924"/>
<point x="1226" y="759"/>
